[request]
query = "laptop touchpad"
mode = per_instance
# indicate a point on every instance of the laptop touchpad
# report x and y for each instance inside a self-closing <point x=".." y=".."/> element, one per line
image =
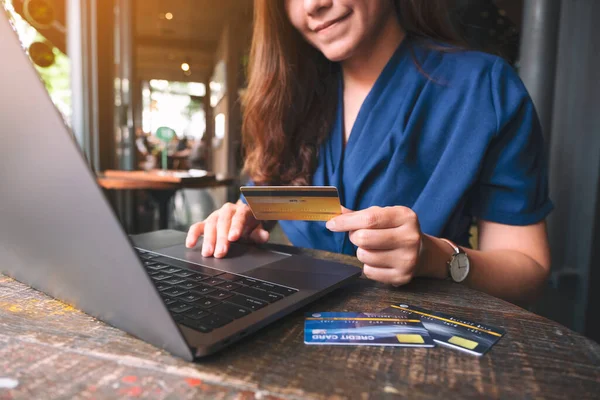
<point x="239" y="259"/>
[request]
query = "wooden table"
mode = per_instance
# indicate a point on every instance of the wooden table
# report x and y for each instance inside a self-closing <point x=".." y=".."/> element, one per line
<point x="161" y="190"/>
<point x="53" y="351"/>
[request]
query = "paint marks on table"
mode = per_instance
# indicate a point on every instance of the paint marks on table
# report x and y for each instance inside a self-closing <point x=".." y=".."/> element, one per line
<point x="8" y="383"/>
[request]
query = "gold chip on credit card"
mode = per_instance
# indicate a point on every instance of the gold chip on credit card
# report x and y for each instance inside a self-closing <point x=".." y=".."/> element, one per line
<point x="300" y="203"/>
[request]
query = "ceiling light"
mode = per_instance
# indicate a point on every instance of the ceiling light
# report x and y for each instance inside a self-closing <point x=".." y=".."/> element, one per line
<point x="185" y="67"/>
<point x="169" y="16"/>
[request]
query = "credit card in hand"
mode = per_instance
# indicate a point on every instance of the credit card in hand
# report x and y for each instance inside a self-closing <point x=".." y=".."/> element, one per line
<point x="300" y="203"/>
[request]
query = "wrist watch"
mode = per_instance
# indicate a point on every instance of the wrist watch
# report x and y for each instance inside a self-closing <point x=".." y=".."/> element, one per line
<point x="458" y="265"/>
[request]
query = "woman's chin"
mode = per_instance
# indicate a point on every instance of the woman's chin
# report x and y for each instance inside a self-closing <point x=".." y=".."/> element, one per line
<point x="337" y="52"/>
<point x="337" y="55"/>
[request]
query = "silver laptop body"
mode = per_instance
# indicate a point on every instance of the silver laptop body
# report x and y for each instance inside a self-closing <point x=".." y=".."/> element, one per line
<point x="59" y="235"/>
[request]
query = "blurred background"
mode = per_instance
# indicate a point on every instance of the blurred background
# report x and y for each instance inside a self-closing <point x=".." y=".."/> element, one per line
<point x="142" y="83"/>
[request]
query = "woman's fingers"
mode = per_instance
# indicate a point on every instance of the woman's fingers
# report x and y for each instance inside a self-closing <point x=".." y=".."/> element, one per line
<point x="194" y="233"/>
<point x="404" y="261"/>
<point x="223" y="225"/>
<point x="210" y="235"/>
<point x="386" y="239"/>
<point x="372" y="218"/>
<point x="390" y="276"/>
<point x="226" y="225"/>
<point x="243" y="222"/>
<point x="259" y="235"/>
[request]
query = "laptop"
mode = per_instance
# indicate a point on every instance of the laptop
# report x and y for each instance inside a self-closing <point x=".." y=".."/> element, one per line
<point x="59" y="235"/>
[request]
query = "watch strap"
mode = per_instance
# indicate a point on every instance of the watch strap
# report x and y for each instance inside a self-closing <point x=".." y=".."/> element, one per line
<point x="454" y="247"/>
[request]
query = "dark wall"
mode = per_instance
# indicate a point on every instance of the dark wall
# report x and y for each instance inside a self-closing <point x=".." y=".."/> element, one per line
<point x="574" y="226"/>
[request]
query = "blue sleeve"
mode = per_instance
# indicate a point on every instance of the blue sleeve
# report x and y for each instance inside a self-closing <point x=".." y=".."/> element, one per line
<point x="512" y="187"/>
<point x="249" y="183"/>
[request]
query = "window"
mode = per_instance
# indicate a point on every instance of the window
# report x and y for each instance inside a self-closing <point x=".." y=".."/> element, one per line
<point x="32" y="24"/>
<point x="177" y="105"/>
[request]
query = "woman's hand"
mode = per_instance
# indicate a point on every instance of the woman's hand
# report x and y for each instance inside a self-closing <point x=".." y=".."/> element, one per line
<point x="388" y="239"/>
<point x="228" y="224"/>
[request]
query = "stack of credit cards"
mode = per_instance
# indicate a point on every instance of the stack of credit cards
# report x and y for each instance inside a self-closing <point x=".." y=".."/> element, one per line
<point x="368" y="329"/>
<point x="299" y="203"/>
<point x="447" y="330"/>
<point x="400" y="325"/>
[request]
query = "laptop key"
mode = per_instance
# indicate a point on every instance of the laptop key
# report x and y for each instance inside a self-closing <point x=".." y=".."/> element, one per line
<point x="175" y="291"/>
<point x="190" y="297"/>
<point x="247" y="302"/>
<point x="188" y="285"/>
<point x="248" y="282"/>
<point x="196" y="324"/>
<point x="229" y="286"/>
<point x="157" y="267"/>
<point x="206" y="302"/>
<point x="179" y="307"/>
<point x="213" y="281"/>
<point x="183" y="274"/>
<point x="214" y="321"/>
<point x="197" y="277"/>
<point x="230" y="277"/>
<point x="230" y="310"/>
<point x="259" y="294"/>
<point x="220" y="294"/>
<point x="162" y="286"/>
<point x="171" y="270"/>
<point x="196" y="313"/>
<point x="203" y="289"/>
<point x="169" y="300"/>
<point x="175" y="280"/>
<point x="160" y="276"/>
<point x="148" y="263"/>
<point x="179" y="318"/>
<point x="270" y="287"/>
<point x="189" y="266"/>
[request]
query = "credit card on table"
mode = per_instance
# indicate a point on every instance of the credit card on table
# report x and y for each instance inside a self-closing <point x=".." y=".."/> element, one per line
<point x="301" y="203"/>
<point x="447" y="330"/>
<point x="365" y="329"/>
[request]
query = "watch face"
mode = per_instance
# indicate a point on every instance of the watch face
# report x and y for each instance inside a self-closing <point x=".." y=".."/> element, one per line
<point x="459" y="267"/>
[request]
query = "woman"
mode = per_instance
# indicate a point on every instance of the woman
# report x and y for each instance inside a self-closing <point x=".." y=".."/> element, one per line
<point x="378" y="99"/>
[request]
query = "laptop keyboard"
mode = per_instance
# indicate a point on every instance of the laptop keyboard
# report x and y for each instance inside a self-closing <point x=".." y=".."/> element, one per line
<point x="208" y="298"/>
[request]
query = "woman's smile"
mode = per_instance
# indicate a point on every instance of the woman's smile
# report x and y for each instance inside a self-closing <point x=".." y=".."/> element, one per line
<point x="325" y="28"/>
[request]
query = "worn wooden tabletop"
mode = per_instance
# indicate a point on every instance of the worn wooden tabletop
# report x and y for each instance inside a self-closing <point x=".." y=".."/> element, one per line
<point x="50" y="350"/>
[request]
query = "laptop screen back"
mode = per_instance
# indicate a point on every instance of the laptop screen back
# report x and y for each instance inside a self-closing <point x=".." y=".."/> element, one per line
<point x="58" y="233"/>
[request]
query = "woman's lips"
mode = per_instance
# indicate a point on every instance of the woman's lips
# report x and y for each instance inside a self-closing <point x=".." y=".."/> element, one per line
<point x="328" y="24"/>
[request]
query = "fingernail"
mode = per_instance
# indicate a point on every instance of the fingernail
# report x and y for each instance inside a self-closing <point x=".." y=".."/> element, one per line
<point x="233" y="234"/>
<point x="206" y="250"/>
<point x="264" y="235"/>
<point x="189" y="242"/>
<point x="330" y="224"/>
<point x="221" y="250"/>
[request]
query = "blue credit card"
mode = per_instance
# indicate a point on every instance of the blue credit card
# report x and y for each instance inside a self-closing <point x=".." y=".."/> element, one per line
<point x="366" y="329"/>
<point x="447" y="330"/>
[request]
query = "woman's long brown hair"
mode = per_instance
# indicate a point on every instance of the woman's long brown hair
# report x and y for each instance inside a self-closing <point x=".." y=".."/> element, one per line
<point x="290" y="102"/>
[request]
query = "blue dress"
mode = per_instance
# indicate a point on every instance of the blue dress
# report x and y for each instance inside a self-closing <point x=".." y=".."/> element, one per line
<point x="461" y="142"/>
